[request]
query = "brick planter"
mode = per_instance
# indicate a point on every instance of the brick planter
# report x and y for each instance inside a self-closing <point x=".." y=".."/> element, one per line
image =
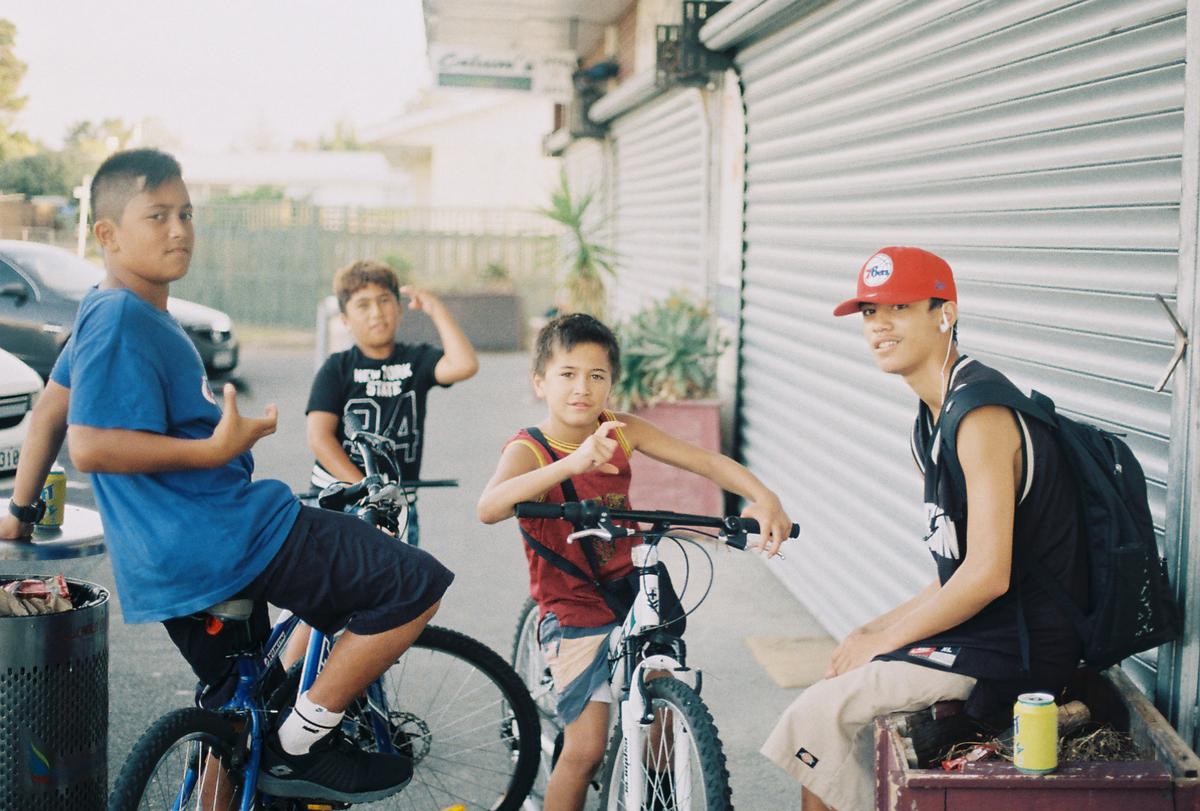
<point x="1167" y="778"/>
<point x="657" y="486"/>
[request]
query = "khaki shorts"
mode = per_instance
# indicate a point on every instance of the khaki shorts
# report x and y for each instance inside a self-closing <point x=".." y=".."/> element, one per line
<point x="824" y="739"/>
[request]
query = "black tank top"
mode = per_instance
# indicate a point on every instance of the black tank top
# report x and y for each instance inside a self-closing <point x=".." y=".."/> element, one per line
<point x="987" y="646"/>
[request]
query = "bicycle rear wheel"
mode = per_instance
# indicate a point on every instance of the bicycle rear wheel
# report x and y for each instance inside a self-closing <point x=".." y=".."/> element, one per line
<point x="466" y="719"/>
<point x="528" y="662"/>
<point x="682" y="766"/>
<point x="181" y="761"/>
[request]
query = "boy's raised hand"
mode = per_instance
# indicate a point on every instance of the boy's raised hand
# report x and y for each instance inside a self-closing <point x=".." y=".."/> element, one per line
<point x="419" y="299"/>
<point x="595" y="451"/>
<point x="236" y="434"/>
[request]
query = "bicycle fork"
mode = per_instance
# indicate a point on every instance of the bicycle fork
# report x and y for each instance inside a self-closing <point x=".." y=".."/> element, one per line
<point x="637" y="717"/>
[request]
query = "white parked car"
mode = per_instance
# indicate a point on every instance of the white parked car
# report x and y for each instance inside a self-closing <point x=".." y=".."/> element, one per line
<point x="20" y="386"/>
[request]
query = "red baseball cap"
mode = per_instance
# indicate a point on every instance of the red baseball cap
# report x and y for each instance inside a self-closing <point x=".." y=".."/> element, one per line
<point x="901" y="276"/>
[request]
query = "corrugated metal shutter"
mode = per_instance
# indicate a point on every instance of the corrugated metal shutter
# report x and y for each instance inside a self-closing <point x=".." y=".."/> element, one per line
<point x="1035" y="145"/>
<point x="660" y="194"/>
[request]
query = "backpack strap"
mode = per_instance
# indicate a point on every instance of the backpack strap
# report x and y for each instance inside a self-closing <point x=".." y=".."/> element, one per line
<point x="606" y="589"/>
<point x="961" y="402"/>
<point x="549" y="555"/>
<point x="568" y="489"/>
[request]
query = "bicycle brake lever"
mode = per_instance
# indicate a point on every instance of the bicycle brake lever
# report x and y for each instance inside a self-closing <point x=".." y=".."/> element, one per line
<point x="597" y="532"/>
<point x="387" y="493"/>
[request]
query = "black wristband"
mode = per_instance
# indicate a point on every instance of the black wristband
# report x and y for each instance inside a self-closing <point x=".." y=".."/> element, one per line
<point x="28" y="515"/>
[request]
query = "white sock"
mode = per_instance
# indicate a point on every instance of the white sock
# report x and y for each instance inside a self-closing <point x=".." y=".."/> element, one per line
<point x="308" y="723"/>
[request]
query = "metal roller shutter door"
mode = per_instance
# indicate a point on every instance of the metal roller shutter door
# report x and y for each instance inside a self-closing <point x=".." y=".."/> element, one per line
<point x="660" y="194"/>
<point x="1035" y="145"/>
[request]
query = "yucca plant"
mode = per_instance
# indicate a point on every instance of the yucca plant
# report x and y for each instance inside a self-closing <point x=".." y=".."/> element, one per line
<point x="584" y="261"/>
<point x="669" y="353"/>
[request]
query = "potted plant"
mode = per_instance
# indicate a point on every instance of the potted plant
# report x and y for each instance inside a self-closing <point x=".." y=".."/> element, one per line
<point x="669" y="353"/>
<point x="584" y="261"/>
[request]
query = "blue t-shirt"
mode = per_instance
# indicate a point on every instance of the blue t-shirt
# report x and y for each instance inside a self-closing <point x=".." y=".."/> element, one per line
<point x="180" y="540"/>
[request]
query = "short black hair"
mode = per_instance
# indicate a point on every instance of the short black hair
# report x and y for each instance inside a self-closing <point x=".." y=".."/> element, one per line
<point x="569" y="331"/>
<point x="125" y="175"/>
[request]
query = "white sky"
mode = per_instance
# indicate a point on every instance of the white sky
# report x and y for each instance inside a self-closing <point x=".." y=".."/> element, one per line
<point x="217" y="73"/>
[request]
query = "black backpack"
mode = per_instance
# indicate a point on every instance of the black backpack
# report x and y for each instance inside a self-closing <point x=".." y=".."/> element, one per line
<point x="1131" y="607"/>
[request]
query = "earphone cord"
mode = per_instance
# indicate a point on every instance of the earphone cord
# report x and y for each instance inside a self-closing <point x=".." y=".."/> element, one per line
<point x="942" y="374"/>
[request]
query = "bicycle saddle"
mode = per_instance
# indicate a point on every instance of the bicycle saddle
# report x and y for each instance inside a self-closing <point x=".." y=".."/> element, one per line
<point x="231" y="610"/>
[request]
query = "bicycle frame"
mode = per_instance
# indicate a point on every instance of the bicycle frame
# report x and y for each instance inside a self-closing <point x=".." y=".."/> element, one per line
<point x="633" y="712"/>
<point x="247" y="702"/>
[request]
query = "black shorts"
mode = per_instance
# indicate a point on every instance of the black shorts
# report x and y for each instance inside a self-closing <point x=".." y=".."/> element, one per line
<point x="335" y="572"/>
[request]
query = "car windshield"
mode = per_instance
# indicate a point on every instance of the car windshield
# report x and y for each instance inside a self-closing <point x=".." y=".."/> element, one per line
<point x="59" y="270"/>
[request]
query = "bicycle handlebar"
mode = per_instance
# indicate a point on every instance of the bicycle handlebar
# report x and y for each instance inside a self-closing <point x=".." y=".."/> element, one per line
<point x="593" y="514"/>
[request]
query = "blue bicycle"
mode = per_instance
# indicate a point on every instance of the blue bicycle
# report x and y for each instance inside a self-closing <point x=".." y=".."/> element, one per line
<point x="451" y="704"/>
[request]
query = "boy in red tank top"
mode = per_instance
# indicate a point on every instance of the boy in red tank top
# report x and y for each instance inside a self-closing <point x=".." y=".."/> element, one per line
<point x="576" y="361"/>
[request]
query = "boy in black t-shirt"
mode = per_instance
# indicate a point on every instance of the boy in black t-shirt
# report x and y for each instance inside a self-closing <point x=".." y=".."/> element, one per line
<point x="383" y="382"/>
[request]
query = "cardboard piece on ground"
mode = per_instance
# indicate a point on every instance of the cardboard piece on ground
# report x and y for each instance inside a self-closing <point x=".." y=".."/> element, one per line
<point x="792" y="661"/>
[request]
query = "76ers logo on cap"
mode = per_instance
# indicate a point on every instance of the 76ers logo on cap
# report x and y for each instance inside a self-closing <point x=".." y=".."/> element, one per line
<point x="877" y="270"/>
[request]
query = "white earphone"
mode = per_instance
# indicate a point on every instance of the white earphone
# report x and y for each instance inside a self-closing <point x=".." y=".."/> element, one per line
<point x="945" y="325"/>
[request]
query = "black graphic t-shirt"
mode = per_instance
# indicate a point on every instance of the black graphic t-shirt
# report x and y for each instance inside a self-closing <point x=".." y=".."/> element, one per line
<point x="388" y="396"/>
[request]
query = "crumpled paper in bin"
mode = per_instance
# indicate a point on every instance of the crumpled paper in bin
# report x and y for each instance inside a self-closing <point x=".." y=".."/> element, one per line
<point x="24" y="598"/>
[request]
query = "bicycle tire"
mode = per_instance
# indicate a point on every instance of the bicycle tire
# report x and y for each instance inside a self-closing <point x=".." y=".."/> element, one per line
<point x="466" y="718"/>
<point x="707" y="760"/>
<point x="148" y="778"/>
<point x="529" y="664"/>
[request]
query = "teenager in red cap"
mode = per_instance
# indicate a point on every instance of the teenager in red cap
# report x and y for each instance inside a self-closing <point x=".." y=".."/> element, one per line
<point x="982" y="630"/>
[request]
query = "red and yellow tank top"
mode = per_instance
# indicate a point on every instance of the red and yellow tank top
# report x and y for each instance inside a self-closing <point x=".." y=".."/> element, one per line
<point x="576" y="603"/>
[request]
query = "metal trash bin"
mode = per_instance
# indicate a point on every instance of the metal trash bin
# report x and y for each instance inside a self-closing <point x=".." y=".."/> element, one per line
<point x="54" y="706"/>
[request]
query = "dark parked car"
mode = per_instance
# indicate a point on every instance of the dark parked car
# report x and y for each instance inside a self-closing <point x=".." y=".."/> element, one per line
<point x="40" y="290"/>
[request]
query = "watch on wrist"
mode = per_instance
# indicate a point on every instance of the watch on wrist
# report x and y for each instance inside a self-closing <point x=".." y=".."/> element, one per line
<point x="28" y="515"/>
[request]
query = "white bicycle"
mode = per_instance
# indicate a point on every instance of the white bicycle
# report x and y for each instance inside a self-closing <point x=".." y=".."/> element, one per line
<point x="665" y="753"/>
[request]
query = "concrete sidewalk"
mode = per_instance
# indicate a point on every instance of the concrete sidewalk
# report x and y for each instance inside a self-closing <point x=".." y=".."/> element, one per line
<point x="467" y="427"/>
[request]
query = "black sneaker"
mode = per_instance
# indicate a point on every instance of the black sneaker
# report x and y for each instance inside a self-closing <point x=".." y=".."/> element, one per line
<point x="334" y="769"/>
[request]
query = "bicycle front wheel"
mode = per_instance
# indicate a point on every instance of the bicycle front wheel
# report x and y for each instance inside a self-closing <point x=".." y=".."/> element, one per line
<point x="181" y="761"/>
<point x="682" y="765"/>
<point x="466" y="720"/>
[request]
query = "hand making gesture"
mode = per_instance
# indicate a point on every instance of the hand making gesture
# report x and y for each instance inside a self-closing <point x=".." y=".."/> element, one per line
<point x="595" y="451"/>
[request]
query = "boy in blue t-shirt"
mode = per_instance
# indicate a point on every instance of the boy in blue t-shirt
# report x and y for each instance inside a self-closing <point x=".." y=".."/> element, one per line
<point x="185" y="524"/>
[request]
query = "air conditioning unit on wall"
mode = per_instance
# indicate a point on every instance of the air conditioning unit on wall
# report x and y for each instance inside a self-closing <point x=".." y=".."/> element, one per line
<point x="681" y="58"/>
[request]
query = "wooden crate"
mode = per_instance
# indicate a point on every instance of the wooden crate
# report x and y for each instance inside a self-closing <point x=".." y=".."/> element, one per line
<point x="1166" y="779"/>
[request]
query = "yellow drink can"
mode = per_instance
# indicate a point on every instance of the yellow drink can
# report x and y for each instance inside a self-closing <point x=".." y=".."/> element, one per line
<point x="54" y="493"/>
<point x="1035" y="733"/>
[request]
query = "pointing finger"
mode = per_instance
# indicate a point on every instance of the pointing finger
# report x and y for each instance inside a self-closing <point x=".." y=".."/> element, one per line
<point x="230" y="393"/>
<point x="605" y="427"/>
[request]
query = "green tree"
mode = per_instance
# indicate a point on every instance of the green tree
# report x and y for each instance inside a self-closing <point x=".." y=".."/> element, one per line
<point x="13" y="144"/>
<point x="259" y="194"/>
<point x="87" y="144"/>
<point x="43" y="173"/>
<point x="344" y="139"/>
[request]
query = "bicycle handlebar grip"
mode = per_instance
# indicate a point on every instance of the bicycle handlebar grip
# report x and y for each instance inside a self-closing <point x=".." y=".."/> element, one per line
<point x="537" y="509"/>
<point x="751" y="526"/>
